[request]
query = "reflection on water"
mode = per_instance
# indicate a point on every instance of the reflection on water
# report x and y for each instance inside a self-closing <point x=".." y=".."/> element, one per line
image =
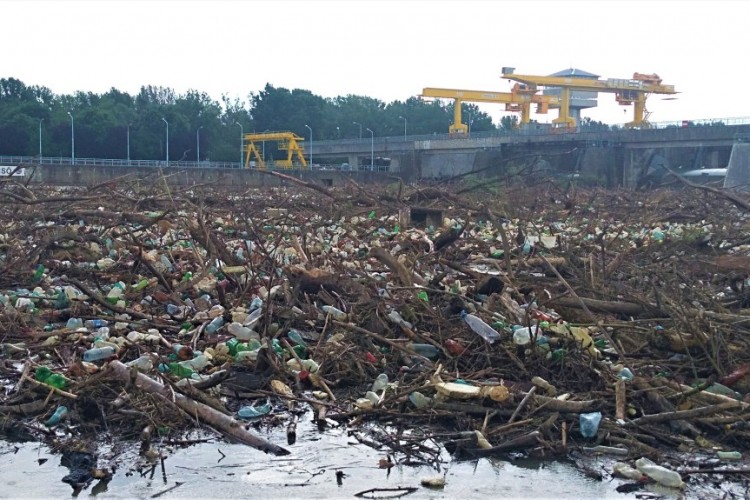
<point x="310" y="472"/>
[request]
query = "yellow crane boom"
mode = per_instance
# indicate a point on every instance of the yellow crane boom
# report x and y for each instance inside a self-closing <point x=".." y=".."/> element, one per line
<point x="627" y="91"/>
<point x="519" y="100"/>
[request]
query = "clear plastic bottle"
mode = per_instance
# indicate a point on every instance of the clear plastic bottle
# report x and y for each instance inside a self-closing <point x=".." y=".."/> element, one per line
<point x="74" y="324"/>
<point x="624" y="470"/>
<point x="241" y="332"/>
<point x="99" y="353"/>
<point x="337" y="314"/>
<point x="489" y="334"/>
<point x="660" y="474"/>
<point x="214" y="325"/>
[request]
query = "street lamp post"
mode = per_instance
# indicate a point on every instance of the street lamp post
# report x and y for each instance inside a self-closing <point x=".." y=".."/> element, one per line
<point x="72" y="139"/>
<point x="372" y="149"/>
<point x="40" y="139"/>
<point x="402" y="118"/>
<point x="470" y="120"/>
<point x="165" y="121"/>
<point x="360" y="129"/>
<point x="198" y="144"/>
<point x="127" y="135"/>
<point x="242" y="140"/>
<point x="311" y="143"/>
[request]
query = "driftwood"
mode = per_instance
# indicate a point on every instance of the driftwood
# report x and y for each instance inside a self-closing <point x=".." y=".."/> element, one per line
<point x="405" y="276"/>
<point x="226" y="425"/>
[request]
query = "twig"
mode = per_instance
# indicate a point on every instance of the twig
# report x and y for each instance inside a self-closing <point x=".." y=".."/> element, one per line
<point x="522" y="404"/>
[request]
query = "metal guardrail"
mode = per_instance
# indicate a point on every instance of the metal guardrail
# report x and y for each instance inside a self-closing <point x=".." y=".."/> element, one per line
<point x="533" y="130"/>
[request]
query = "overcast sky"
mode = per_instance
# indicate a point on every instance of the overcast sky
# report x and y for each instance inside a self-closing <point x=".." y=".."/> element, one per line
<point x="386" y="49"/>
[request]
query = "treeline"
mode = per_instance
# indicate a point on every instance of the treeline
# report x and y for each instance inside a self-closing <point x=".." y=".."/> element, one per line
<point x="115" y="124"/>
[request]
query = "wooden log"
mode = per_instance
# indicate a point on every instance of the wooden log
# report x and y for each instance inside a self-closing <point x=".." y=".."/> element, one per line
<point x="553" y="404"/>
<point x="685" y="414"/>
<point x="224" y="424"/>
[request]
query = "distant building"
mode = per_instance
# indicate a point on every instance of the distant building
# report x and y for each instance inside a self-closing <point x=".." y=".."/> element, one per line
<point x="578" y="99"/>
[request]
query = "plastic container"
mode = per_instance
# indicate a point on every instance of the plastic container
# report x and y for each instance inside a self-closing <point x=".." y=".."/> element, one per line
<point x="74" y="324"/>
<point x="489" y="334"/>
<point x="99" y="353"/>
<point x="197" y="363"/>
<point x="380" y="383"/>
<point x="214" y="325"/>
<point x="729" y="455"/>
<point x="624" y="470"/>
<point x="395" y="317"/>
<point x="420" y="400"/>
<point x="253" y="317"/>
<point x="60" y="413"/>
<point x="295" y="337"/>
<point x="454" y="347"/>
<point x="660" y="474"/>
<point x="429" y="351"/>
<point x="94" y="323"/>
<point x="241" y="332"/>
<point x="522" y="336"/>
<point x="625" y="374"/>
<point x="143" y="364"/>
<point x="337" y="314"/>
<point x="249" y="412"/>
<point x="589" y="423"/>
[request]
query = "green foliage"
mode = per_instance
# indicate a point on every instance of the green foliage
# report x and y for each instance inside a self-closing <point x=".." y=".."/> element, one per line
<point x="103" y="122"/>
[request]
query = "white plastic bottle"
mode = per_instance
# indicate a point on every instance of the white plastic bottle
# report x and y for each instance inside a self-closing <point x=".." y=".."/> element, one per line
<point x="660" y="474"/>
<point x="481" y="328"/>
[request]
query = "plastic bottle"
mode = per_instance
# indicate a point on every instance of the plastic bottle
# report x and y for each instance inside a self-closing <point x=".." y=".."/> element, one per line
<point x="395" y="317"/>
<point x="74" y="324"/>
<point x="177" y="369"/>
<point x="660" y="474"/>
<point x="625" y="374"/>
<point x="419" y="400"/>
<point x="380" y="383"/>
<point x="242" y="332"/>
<point x="484" y="330"/>
<point x="624" y="470"/>
<point x="589" y="423"/>
<point x="729" y="455"/>
<point x="214" y="325"/>
<point x="45" y="375"/>
<point x="142" y="364"/>
<point x="429" y="351"/>
<point x="295" y="337"/>
<point x="522" y="336"/>
<point x="60" y="413"/>
<point x="197" y="363"/>
<point x="253" y="317"/>
<point x="116" y="292"/>
<point x="337" y="314"/>
<point x="248" y="412"/>
<point x="99" y="353"/>
<point x="454" y="347"/>
<point x="38" y="273"/>
<point x="94" y="323"/>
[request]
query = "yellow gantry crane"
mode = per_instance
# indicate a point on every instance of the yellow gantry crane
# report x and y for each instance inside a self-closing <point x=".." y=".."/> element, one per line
<point x="519" y="100"/>
<point x="627" y="91"/>
<point x="288" y="141"/>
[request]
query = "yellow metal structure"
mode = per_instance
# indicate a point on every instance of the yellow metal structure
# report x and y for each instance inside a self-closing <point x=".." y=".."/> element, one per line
<point x="288" y="141"/>
<point x="627" y="91"/>
<point x="519" y="100"/>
